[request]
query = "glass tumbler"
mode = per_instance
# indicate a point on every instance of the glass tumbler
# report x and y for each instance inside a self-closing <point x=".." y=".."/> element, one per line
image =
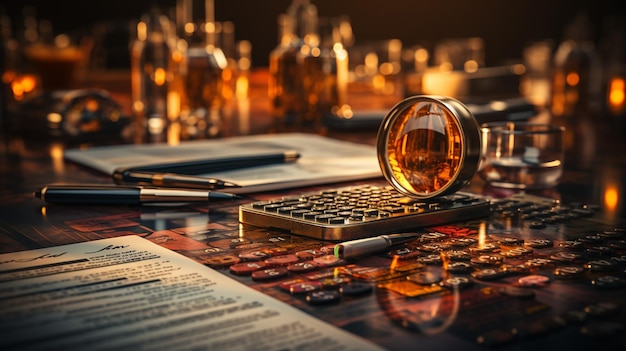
<point x="521" y="155"/>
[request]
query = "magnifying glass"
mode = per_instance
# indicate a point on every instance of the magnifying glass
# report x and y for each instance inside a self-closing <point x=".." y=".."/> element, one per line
<point x="428" y="146"/>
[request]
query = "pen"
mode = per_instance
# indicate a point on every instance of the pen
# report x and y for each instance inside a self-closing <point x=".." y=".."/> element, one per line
<point x="170" y="180"/>
<point x="203" y="166"/>
<point x="120" y="194"/>
<point x="362" y="247"/>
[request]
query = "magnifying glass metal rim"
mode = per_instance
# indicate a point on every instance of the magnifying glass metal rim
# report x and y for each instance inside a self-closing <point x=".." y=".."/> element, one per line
<point x="469" y="143"/>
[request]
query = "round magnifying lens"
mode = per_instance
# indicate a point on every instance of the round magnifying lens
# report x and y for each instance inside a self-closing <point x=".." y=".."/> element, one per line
<point x="428" y="146"/>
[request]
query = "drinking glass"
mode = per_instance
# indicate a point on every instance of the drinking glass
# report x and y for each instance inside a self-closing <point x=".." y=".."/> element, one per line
<point x="521" y="155"/>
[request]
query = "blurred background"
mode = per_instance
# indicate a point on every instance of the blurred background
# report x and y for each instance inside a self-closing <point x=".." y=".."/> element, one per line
<point x="505" y="26"/>
<point x="105" y="72"/>
<point x="197" y="68"/>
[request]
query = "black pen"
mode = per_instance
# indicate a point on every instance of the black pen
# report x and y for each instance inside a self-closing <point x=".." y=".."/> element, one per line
<point x="120" y="194"/>
<point x="203" y="166"/>
<point x="170" y="180"/>
<point x="367" y="246"/>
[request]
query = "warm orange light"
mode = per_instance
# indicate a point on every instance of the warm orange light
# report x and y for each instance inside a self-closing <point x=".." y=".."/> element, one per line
<point x="378" y="83"/>
<point x="371" y="63"/>
<point x="394" y="263"/>
<point x="445" y="66"/>
<point x="138" y="106"/>
<point x="386" y="68"/>
<point x="617" y="95"/>
<point x="142" y="31"/>
<point x="241" y="87"/>
<point x="519" y="69"/>
<point x="470" y="66"/>
<point x="572" y="79"/>
<point x="558" y="104"/>
<point x="244" y="64"/>
<point x="173" y="105"/>
<point x="159" y="76"/>
<point x="445" y="260"/>
<point x="177" y="56"/>
<point x="421" y="55"/>
<point x="54" y="117"/>
<point x="227" y="74"/>
<point x="56" y="154"/>
<point x="173" y="134"/>
<point x="611" y="198"/>
<point x="316" y="52"/>
<point x="92" y="105"/>
<point x="23" y="85"/>
<point x="189" y="28"/>
<point x="482" y="234"/>
<point x="29" y="83"/>
<point x="18" y="91"/>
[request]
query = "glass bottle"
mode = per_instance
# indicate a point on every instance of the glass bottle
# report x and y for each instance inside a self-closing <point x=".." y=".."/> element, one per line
<point x="576" y="81"/>
<point x="177" y="94"/>
<point x="325" y="74"/>
<point x="150" y="68"/>
<point x="296" y="29"/>
<point x="576" y="91"/>
<point x="203" y="78"/>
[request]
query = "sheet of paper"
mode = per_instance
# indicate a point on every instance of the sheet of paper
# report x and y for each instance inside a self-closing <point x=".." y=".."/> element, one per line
<point x="127" y="293"/>
<point x="322" y="160"/>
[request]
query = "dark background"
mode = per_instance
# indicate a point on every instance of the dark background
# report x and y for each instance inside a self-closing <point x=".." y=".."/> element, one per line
<point x="506" y="26"/>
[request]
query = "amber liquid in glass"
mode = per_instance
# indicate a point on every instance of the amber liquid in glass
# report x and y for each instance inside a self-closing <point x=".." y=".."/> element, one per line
<point x="204" y="94"/>
<point x="285" y="85"/>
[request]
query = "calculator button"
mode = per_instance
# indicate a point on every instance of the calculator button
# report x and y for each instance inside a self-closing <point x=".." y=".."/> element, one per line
<point x="323" y="297"/>
<point x="533" y="280"/>
<point x="356" y="289"/>
<point x="270" y="273"/>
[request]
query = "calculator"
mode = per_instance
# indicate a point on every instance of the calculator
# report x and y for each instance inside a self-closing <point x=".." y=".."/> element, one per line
<point x="338" y="214"/>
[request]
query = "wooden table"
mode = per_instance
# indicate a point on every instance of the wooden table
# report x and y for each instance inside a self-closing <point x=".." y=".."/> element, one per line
<point x="595" y="174"/>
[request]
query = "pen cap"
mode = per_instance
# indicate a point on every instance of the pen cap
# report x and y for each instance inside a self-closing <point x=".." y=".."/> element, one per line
<point x="428" y="146"/>
<point x="361" y="247"/>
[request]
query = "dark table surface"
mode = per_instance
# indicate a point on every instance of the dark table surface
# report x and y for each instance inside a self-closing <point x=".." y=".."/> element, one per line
<point x="595" y="174"/>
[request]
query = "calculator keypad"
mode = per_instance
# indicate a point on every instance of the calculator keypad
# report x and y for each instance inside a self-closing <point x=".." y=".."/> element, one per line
<point x="355" y="212"/>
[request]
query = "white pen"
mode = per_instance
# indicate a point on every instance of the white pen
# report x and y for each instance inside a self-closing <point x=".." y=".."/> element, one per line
<point x="366" y="246"/>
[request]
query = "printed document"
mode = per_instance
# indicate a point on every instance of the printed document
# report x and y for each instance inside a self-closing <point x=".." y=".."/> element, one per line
<point x="128" y="293"/>
<point x="322" y="159"/>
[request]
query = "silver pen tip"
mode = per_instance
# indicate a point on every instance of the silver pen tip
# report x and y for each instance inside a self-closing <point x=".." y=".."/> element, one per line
<point x="220" y="195"/>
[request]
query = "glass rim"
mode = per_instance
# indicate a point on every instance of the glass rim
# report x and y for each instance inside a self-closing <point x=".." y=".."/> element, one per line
<point x="503" y="127"/>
